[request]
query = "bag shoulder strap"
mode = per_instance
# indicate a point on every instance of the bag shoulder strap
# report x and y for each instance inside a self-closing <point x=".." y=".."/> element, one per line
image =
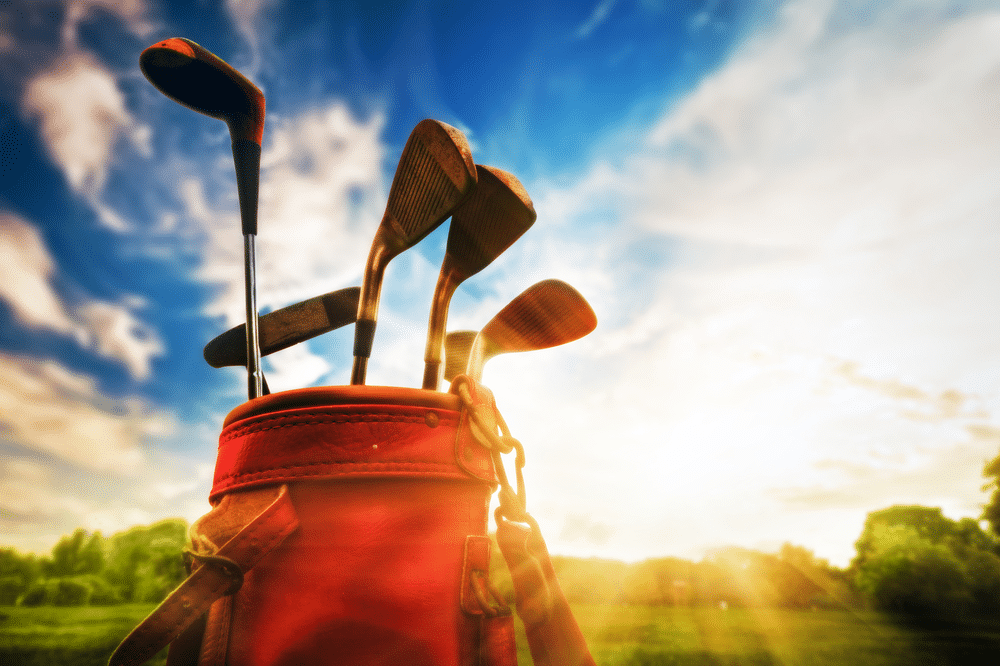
<point x="250" y="525"/>
<point x="554" y="637"/>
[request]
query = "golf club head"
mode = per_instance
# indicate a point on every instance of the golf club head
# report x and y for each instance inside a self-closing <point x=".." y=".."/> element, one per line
<point x="483" y="226"/>
<point x="193" y="76"/>
<point x="457" y="346"/>
<point x="435" y="173"/>
<point x="286" y="327"/>
<point x="547" y="314"/>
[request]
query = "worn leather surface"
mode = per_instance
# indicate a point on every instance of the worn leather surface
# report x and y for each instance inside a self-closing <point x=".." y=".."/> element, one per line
<point x="554" y="637"/>
<point x="373" y="574"/>
<point x="347" y="440"/>
<point x="358" y="518"/>
<point x="268" y="521"/>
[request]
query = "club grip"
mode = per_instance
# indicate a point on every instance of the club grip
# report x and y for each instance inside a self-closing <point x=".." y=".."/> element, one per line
<point x="246" y="157"/>
<point x="364" y="335"/>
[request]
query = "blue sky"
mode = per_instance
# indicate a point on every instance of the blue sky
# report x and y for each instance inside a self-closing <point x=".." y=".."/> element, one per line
<point x="783" y="213"/>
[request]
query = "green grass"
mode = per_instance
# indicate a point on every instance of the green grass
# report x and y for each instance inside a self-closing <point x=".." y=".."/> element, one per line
<point x="617" y="636"/>
<point x="639" y="636"/>
<point x="77" y="636"/>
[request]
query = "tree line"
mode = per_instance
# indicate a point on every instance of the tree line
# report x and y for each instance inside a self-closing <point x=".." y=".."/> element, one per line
<point x="139" y="565"/>
<point x="909" y="559"/>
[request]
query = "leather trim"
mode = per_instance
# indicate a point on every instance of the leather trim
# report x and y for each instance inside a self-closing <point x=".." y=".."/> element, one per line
<point x="345" y="441"/>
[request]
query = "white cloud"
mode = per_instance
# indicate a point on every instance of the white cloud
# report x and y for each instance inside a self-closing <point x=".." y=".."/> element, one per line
<point x="73" y="457"/>
<point x="82" y="115"/>
<point x="829" y="195"/>
<point x="120" y="335"/>
<point x="597" y="17"/>
<point x="133" y="12"/>
<point x="28" y="270"/>
<point x="321" y="197"/>
<point x="111" y="329"/>
<point x="55" y="412"/>
<point x="294" y="367"/>
<point x="250" y="16"/>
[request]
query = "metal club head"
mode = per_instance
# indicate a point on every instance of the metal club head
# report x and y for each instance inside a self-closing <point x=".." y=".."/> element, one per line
<point x="488" y="222"/>
<point x="287" y="326"/>
<point x="193" y="76"/>
<point x="457" y="346"/>
<point x="435" y="173"/>
<point x="547" y="314"/>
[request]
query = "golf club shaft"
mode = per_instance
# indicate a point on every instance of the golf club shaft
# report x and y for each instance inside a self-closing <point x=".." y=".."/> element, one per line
<point x="443" y="292"/>
<point x="255" y="378"/>
<point x="246" y="159"/>
<point x="371" y="287"/>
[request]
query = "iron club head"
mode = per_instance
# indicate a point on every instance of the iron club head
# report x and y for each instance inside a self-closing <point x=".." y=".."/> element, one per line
<point x="483" y="226"/>
<point x="547" y="314"/>
<point x="434" y="174"/>
<point x="457" y="345"/>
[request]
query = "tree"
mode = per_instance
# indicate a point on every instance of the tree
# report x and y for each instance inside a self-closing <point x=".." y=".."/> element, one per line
<point x="914" y="560"/>
<point x="991" y="512"/>
<point x="907" y="573"/>
<point x="77" y="554"/>
<point x="17" y="573"/>
<point x="144" y="563"/>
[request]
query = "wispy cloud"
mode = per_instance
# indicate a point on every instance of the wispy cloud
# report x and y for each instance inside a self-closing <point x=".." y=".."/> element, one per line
<point x="82" y="114"/>
<point x="321" y="177"/>
<point x="54" y="412"/>
<point x="134" y="13"/>
<point x="600" y="14"/>
<point x="74" y="457"/>
<point x="111" y="329"/>
<point x="250" y="18"/>
<point x="846" y="163"/>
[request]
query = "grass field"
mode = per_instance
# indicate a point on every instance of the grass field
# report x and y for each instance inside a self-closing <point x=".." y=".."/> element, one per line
<point x="77" y="636"/>
<point x="641" y="636"/>
<point x="617" y="636"/>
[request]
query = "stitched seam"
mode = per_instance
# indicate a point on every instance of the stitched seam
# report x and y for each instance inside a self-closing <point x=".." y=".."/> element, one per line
<point x="304" y="469"/>
<point x="354" y="418"/>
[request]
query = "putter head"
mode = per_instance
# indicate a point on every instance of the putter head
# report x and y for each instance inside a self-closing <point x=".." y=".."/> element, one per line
<point x="457" y="346"/>
<point x="547" y="314"/>
<point x="286" y="327"/>
<point x="191" y="75"/>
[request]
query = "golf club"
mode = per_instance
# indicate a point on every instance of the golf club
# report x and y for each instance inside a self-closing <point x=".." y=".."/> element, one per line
<point x="547" y="314"/>
<point x="193" y="76"/>
<point x="457" y="346"/>
<point x="286" y="327"/>
<point x="488" y="222"/>
<point x="435" y="172"/>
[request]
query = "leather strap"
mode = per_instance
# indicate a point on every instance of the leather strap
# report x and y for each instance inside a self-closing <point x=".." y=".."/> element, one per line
<point x="553" y="635"/>
<point x="498" y="646"/>
<point x="208" y="582"/>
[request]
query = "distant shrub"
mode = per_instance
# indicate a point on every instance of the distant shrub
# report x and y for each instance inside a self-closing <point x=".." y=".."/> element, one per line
<point x="11" y="587"/>
<point x="88" y="589"/>
<point x="40" y="593"/>
<point x="71" y="592"/>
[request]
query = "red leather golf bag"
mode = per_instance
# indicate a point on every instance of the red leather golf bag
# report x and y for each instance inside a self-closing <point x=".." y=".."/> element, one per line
<point x="349" y="526"/>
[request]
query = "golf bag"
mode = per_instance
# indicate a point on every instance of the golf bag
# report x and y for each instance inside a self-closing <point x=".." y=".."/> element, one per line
<point x="349" y="527"/>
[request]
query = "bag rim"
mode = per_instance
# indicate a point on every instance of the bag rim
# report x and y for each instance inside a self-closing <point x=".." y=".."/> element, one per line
<point x="324" y="396"/>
